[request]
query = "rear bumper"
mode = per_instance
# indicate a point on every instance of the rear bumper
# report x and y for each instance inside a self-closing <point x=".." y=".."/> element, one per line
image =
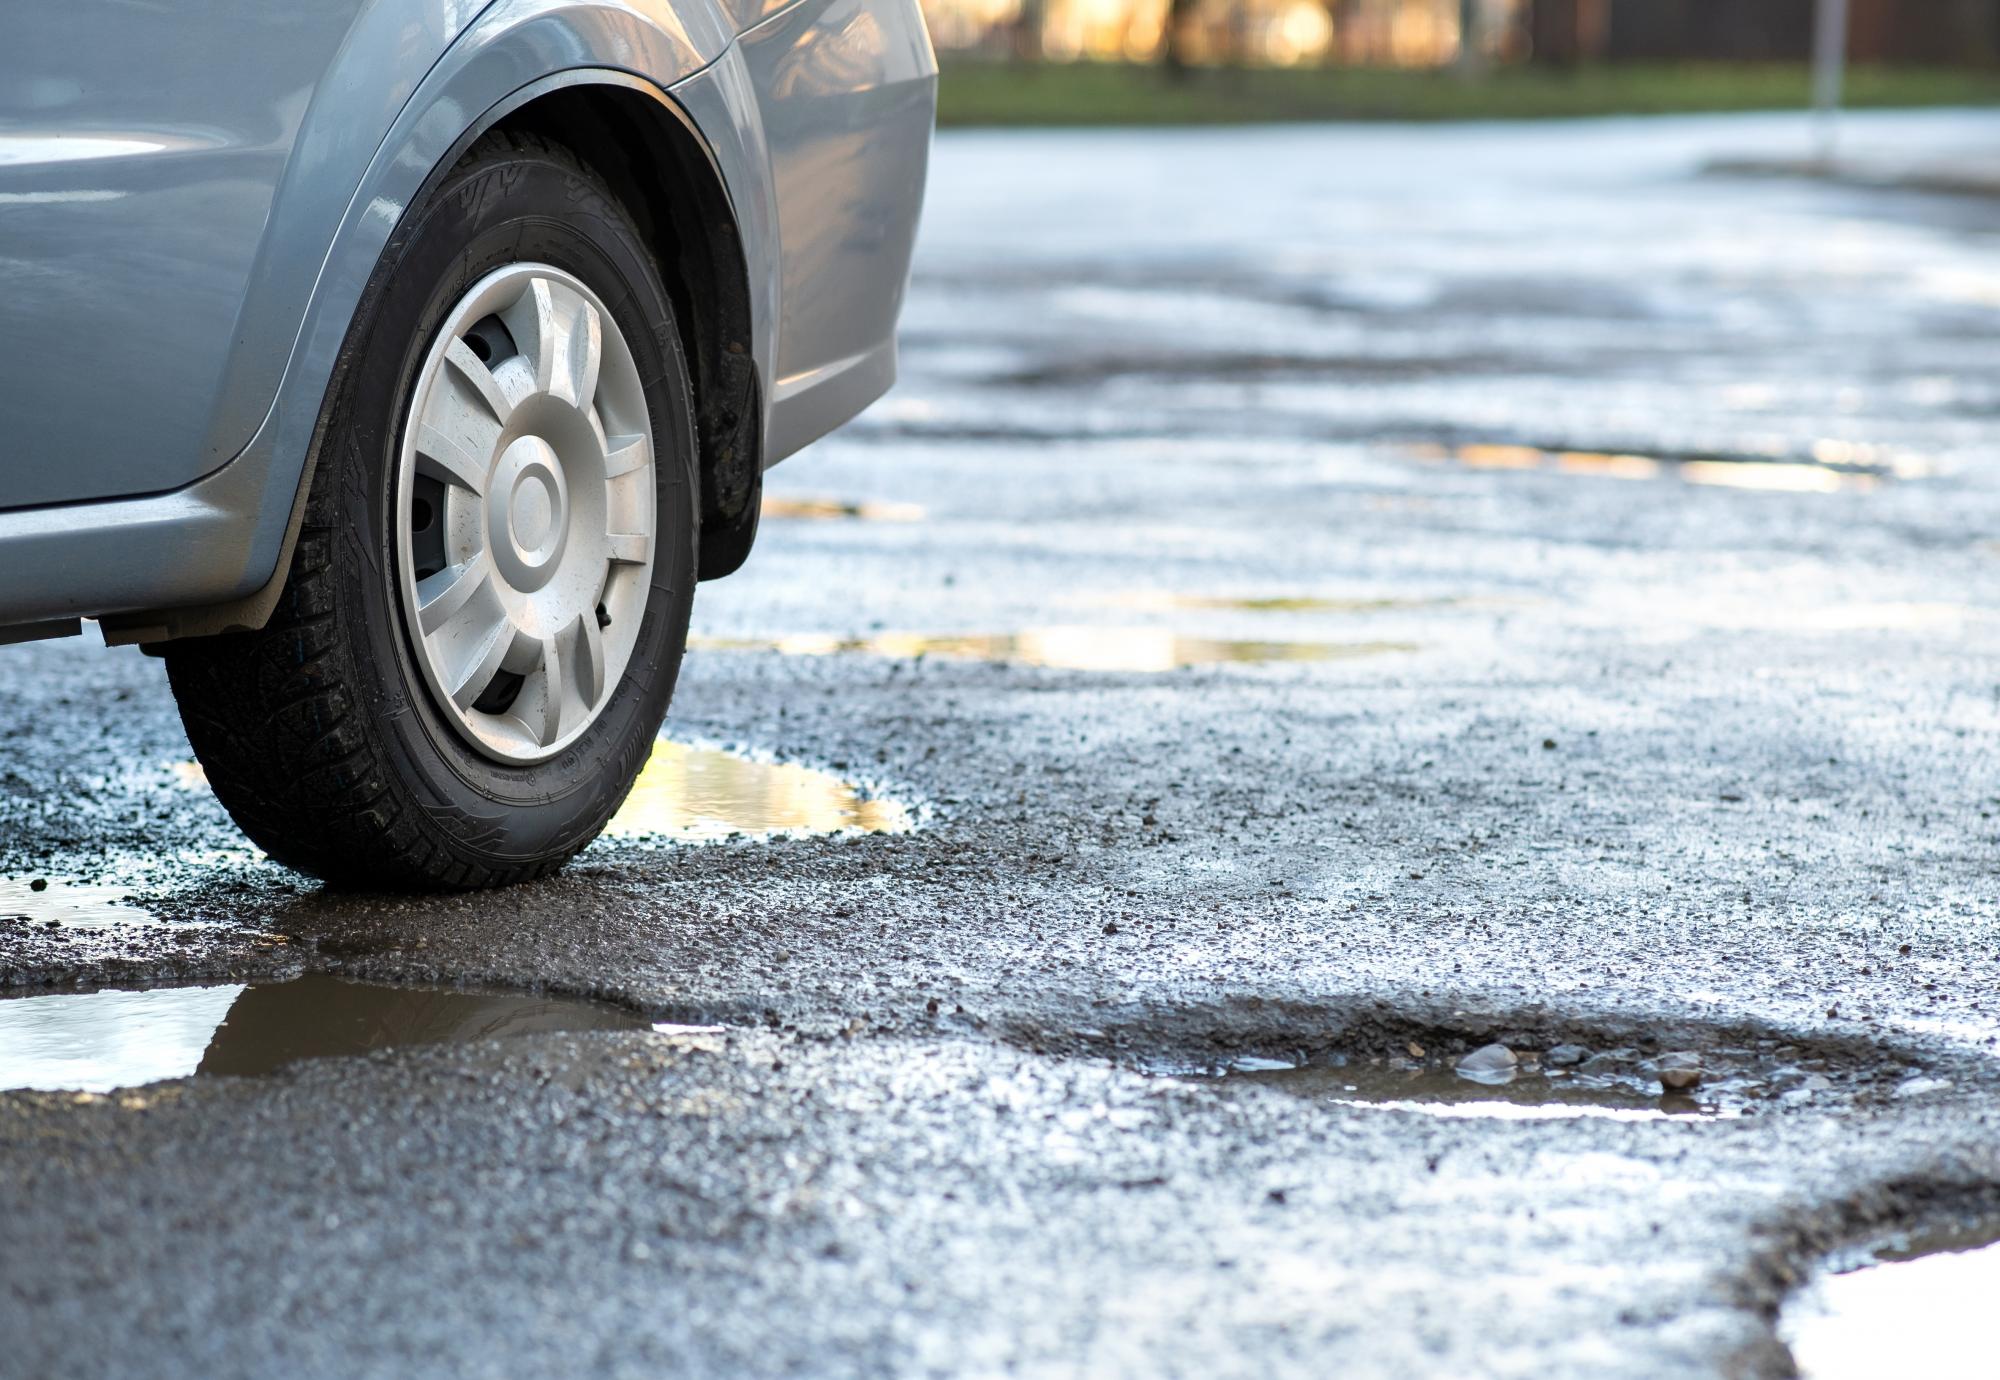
<point x="191" y="546"/>
<point x="808" y="406"/>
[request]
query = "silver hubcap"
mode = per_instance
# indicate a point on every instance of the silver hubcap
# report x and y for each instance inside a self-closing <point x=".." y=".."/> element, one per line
<point x="525" y="511"/>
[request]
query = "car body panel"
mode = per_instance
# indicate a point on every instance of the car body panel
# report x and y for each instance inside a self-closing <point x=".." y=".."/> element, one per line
<point x="846" y="95"/>
<point x="510" y="46"/>
<point x="138" y="161"/>
<point x="221" y="537"/>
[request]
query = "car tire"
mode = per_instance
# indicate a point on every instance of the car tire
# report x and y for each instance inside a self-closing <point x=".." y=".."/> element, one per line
<point x="347" y="737"/>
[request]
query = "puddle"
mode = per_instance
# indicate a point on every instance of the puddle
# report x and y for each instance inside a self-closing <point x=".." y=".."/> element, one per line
<point x="1437" y="1089"/>
<point x="97" y="1041"/>
<point x="1915" y="1307"/>
<point x="698" y="794"/>
<point x="58" y="904"/>
<point x="51" y="918"/>
<point x="839" y="510"/>
<point x="1064" y="648"/>
<point x="1163" y="602"/>
<point x="1832" y="467"/>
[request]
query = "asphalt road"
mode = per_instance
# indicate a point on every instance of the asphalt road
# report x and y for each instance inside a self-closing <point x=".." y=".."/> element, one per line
<point x="1592" y="568"/>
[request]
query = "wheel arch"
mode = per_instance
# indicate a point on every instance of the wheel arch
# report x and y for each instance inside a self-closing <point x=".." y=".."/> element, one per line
<point x="658" y="164"/>
<point x="720" y="171"/>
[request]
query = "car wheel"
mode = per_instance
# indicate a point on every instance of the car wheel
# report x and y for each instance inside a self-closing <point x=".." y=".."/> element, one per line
<point x="488" y="600"/>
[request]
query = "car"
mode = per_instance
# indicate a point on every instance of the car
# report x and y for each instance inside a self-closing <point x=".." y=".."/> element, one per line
<point x="395" y="368"/>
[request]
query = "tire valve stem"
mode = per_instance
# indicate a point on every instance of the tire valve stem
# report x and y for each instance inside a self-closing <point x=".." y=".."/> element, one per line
<point x="603" y="618"/>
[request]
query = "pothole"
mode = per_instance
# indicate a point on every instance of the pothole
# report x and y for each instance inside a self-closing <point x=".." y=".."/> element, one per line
<point x="1915" y="1305"/>
<point x="693" y="793"/>
<point x="838" y="510"/>
<point x="1830" y="466"/>
<point x="1617" y="1086"/>
<point x="1081" y="648"/>
<point x="1377" y="1061"/>
<point x="95" y="1041"/>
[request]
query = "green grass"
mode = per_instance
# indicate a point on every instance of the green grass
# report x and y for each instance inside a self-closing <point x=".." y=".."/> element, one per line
<point x="1091" y="93"/>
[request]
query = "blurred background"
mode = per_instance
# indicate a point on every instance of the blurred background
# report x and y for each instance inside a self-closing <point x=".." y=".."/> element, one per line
<point x="1174" y="61"/>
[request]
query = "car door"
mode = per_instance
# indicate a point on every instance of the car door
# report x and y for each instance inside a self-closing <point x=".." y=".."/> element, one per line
<point x="141" y="142"/>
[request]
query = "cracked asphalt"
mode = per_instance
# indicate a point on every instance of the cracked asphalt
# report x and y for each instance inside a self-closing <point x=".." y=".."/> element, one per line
<point x="1618" y="544"/>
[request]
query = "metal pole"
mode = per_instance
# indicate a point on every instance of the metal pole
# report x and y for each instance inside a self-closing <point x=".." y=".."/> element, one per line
<point x="1471" y="38"/>
<point x="1829" y="60"/>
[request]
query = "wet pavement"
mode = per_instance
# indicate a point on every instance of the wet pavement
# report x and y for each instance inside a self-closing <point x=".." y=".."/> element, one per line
<point x="1007" y="971"/>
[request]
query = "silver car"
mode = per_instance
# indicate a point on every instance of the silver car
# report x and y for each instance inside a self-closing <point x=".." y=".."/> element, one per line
<point x="395" y="368"/>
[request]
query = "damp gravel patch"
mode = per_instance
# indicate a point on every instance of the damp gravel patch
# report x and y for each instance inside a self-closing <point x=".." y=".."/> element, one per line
<point x="136" y="921"/>
<point x="1621" y="1091"/>
<point x="1621" y="1083"/>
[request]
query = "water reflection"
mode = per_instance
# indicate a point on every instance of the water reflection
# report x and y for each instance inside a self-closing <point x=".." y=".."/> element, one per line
<point x="63" y="904"/>
<point x="97" y="1041"/>
<point x="698" y="794"/>
<point x="837" y="510"/>
<point x="1830" y="467"/>
<point x="1064" y="648"/>
<point x="1918" y="1309"/>
<point x="1775" y="477"/>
